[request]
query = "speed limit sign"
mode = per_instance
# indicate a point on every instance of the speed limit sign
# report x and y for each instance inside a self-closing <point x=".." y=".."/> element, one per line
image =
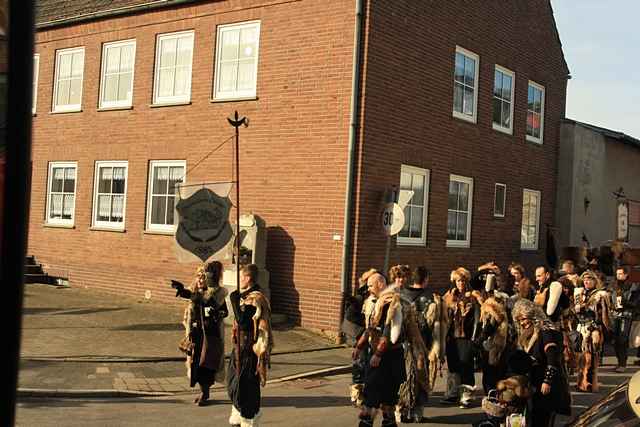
<point x="392" y="219"/>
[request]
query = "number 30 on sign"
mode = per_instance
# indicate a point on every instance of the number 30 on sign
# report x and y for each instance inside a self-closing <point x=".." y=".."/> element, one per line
<point x="392" y="219"/>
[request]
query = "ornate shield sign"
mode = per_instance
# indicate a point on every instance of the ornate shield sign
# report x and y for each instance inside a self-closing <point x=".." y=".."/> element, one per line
<point x="203" y="227"/>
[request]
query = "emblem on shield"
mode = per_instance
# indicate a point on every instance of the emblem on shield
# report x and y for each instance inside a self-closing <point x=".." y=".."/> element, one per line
<point x="203" y="227"/>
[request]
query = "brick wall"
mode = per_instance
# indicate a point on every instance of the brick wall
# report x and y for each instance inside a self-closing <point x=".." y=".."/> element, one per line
<point x="293" y="155"/>
<point x="407" y="119"/>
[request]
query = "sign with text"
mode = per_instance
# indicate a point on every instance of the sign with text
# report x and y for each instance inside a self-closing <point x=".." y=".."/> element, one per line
<point x="392" y="219"/>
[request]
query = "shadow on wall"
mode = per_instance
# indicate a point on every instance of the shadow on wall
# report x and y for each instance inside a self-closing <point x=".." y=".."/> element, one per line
<point x="281" y="251"/>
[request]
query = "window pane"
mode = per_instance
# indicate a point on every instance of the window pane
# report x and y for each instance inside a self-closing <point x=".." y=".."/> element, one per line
<point x="246" y="75"/>
<point x="110" y="88"/>
<point x="407" y="218"/>
<point x="418" y="190"/>
<point x="248" y="42"/>
<point x="538" y="101"/>
<point x="104" y="185"/>
<point x="416" y="222"/>
<point x="184" y="51"/>
<point x="118" y="181"/>
<point x="183" y="77"/>
<point x="57" y="178"/>
<point x="168" y="52"/>
<point x="55" y="206"/>
<point x="453" y="194"/>
<point x="405" y="181"/>
<point x="469" y="71"/>
<point x="64" y="64"/>
<point x="126" y="58"/>
<point x="166" y="82"/>
<point x="70" y="180"/>
<point x="530" y="123"/>
<point x="506" y="87"/>
<point x="451" y="226"/>
<point x="75" y="89"/>
<point x="170" y="206"/>
<point x="506" y="114"/>
<point x="462" y="227"/>
<point x="227" y="81"/>
<point x="530" y="97"/>
<point x="497" y="84"/>
<point x="458" y="94"/>
<point x="67" y="210"/>
<point x="158" y="209"/>
<point x="77" y="64"/>
<point x="113" y="59"/>
<point x="499" y="201"/>
<point x="117" y="209"/>
<point x="468" y="101"/>
<point x="463" y="200"/>
<point x="104" y="208"/>
<point x="160" y="180"/>
<point x="459" y="71"/>
<point x="124" y="87"/>
<point x="62" y="94"/>
<point x="230" y="44"/>
<point x="176" y="175"/>
<point x="497" y="111"/>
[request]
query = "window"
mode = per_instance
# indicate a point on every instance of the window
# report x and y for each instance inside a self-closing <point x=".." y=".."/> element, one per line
<point x="530" y="219"/>
<point x="67" y="90"/>
<point x="459" y="211"/>
<point x="163" y="177"/>
<point x="61" y="193"/>
<point x="414" y="231"/>
<point x="172" y="80"/>
<point x="465" y="84"/>
<point x="236" y="61"/>
<point x="503" y="89"/>
<point x="109" y="196"/>
<point x="116" y="82"/>
<point x="36" y="66"/>
<point x="499" y="200"/>
<point x="535" y="112"/>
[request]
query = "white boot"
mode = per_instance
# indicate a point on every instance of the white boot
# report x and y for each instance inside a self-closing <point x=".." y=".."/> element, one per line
<point x="467" y="396"/>
<point x="251" y="422"/>
<point x="235" y="419"/>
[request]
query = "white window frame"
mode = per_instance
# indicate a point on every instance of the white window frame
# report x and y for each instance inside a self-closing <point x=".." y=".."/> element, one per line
<point x="542" y="102"/>
<point x="103" y="71"/>
<point x="238" y="94"/>
<point x="61" y="221"/>
<point x="504" y="200"/>
<point x="462" y="243"/>
<point x="175" y="99"/>
<point x="523" y="245"/>
<point x="417" y="241"/>
<point x="120" y="226"/>
<point x="161" y="163"/>
<point x="36" y="72"/>
<point x="460" y="115"/>
<point x="497" y="126"/>
<point x="68" y="107"/>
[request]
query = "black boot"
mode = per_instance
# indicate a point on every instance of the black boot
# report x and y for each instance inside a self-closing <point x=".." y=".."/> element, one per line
<point x="389" y="420"/>
<point x="365" y="421"/>
<point x="204" y="395"/>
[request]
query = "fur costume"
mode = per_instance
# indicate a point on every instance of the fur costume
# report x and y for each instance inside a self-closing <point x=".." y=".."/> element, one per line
<point x="438" y="320"/>
<point x="394" y="313"/>
<point x="263" y="339"/>
<point x="495" y="312"/>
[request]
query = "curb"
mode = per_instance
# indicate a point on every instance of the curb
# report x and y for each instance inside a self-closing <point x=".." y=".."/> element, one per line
<point x="116" y="359"/>
<point x="44" y="392"/>
<point x="113" y="393"/>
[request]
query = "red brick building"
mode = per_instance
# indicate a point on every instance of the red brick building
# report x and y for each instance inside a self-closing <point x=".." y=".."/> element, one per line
<point x="132" y="96"/>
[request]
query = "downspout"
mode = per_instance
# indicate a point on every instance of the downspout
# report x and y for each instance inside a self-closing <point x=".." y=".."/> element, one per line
<point x="353" y="132"/>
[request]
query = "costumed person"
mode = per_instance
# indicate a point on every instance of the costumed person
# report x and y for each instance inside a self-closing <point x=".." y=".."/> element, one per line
<point x="543" y="342"/>
<point x="550" y="296"/>
<point x="386" y="371"/>
<point x="522" y="286"/>
<point x="625" y="299"/>
<point x="204" y="328"/>
<point x="253" y="341"/>
<point x="568" y="269"/>
<point x="353" y="326"/>
<point x="400" y="276"/>
<point x="422" y="313"/>
<point x="592" y="305"/>
<point x="569" y="324"/>
<point x="494" y="336"/>
<point x="463" y="312"/>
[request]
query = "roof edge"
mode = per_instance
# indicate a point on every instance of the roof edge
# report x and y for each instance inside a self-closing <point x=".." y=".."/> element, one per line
<point x="555" y="28"/>
<point x="118" y="11"/>
<point x="620" y="136"/>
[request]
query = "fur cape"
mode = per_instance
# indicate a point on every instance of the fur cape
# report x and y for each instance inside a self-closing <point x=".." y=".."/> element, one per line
<point x="263" y="337"/>
<point x="438" y="320"/>
<point x="415" y="359"/>
<point x="394" y="313"/>
<point x="495" y="312"/>
<point x="218" y="294"/>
